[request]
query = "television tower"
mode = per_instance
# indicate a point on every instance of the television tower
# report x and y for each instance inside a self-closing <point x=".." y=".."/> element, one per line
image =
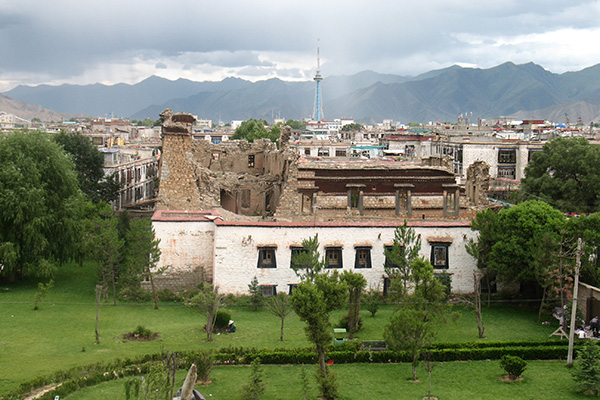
<point x="318" y="109"/>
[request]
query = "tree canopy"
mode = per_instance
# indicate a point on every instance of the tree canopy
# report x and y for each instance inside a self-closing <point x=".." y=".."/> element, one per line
<point x="90" y="167"/>
<point x="508" y="240"/>
<point x="40" y="202"/>
<point x="253" y="129"/>
<point x="564" y="174"/>
<point x="352" y="127"/>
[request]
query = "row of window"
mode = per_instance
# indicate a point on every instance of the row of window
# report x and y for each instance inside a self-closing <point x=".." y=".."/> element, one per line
<point x="362" y="256"/>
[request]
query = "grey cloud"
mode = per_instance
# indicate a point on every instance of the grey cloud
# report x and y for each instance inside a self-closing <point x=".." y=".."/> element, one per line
<point x="62" y="38"/>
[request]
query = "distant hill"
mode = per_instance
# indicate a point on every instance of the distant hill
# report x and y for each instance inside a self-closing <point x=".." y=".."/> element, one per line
<point x="28" y="111"/>
<point x="521" y="91"/>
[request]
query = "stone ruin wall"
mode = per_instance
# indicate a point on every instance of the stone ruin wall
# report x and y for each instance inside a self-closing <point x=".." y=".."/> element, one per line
<point x="478" y="183"/>
<point x="177" y="190"/>
<point x="200" y="175"/>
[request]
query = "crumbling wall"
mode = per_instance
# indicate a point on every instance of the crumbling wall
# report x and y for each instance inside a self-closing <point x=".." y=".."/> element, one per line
<point x="478" y="183"/>
<point x="177" y="190"/>
<point x="245" y="178"/>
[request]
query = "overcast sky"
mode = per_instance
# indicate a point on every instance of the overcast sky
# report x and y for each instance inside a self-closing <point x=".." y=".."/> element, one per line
<point x="110" y="41"/>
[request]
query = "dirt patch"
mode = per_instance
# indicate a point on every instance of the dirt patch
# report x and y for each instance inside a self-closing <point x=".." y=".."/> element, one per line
<point x="41" y="391"/>
<point x="507" y="378"/>
<point x="134" y="337"/>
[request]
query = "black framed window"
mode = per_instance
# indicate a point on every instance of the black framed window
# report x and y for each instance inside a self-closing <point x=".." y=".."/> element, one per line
<point x="251" y="161"/>
<point x="291" y="287"/>
<point x="439" y="255"/>
<point x="269" y="290"/>
<point x="363" y="257"/>
<point x="266" y="257"/>
<point x="294" y="252"/>
<point x="333" y="255"/>
<point x="508" y="156"/>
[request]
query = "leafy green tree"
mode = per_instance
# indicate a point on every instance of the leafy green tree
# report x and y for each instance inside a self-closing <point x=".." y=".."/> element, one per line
<point x="142" y="254"/>
<point x="43" y="289"/>
<point x="509" y="244"/>
<point x="281" y="307"/>
<point x="313" y="299"/>
<point x="588" y="229"/>
<point x="40" y="206"/>
<point x="373" y="299"/>
<point x="253" y="129"/>
<point x="298" y="125"/>
<point x="352" y="127"/>
<point x="413" y="326"/>
<point x="356" y="284"/>
<point x="90" y="163"/>
<point x="561" y="174"/>
<point x="103" y="245"/>
<point x="404" y="250"/>
<point x="208" y="300"/>
<point x="586" y="369"/>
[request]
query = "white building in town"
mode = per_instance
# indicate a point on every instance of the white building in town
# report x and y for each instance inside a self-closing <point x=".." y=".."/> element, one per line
<point x="201" y="245"/>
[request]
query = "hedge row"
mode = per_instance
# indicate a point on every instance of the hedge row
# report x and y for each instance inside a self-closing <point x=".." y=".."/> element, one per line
<point x="80" y="377"/>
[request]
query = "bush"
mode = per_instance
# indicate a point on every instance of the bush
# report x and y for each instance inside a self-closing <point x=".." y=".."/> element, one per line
<point x="513" y="365"/>
<point x="343" y="323"/>
<point x="586" y="369"/>
<point x="221" y="321"/>
<point x="142" y="332"/>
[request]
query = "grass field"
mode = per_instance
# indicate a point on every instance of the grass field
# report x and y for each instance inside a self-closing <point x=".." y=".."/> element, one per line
<point x="450" y="381"/>
<point x="61" y="334"/>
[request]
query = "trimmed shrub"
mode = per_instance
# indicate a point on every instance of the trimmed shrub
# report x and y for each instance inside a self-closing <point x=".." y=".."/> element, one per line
<point x="513" y="365"/>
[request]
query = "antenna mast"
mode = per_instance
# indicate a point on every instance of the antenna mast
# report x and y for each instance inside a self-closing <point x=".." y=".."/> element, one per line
<point x="318" y="108"/>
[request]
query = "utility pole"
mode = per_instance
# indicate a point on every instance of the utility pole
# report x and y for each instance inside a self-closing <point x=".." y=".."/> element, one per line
<point x="574" y="307"/>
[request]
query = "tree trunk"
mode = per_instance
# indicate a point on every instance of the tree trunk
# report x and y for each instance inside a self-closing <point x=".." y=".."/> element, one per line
<point x="322" y="364"/>
<point x="114" y="285"/>
<point x="153" y="288"/>
<point x="480" y="324"/>
<point x="281" y="337"/>
<point x="99" y="290"/>
<point x="542" y="304"/>
<point x="415" y="364"/>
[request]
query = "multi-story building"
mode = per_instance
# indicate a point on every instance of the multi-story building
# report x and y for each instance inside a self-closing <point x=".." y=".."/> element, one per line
<point x="136" y="170"/>
<point x="229" y="212"/>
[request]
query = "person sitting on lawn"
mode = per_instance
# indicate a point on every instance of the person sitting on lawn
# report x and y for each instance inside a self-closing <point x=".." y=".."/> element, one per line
<point x="231" y="326"/>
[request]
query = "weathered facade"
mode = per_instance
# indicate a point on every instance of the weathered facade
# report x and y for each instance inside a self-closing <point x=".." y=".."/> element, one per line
<point x="201" y="245"/>
<point x="241" y="177"/>
<point x="265" y="200"/>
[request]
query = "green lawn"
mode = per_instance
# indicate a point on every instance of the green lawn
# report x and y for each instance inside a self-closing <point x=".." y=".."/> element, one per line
<point x="61" y="334"/>
<point x="450" y="381"/>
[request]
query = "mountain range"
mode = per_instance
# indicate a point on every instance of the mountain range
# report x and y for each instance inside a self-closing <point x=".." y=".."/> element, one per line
<point x="525" y="91"/>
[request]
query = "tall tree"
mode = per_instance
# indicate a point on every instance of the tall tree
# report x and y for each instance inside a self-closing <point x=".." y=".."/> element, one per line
<point x="313" y="299"/>
<point x="208" y="300"/>
<point x="40" y="204"/>
<point x="405" y="249"/>
<point x="103" y="245"/>
<point x="413" y="326"/>
<point x="356" y="284"/>
<point x="562" y="174"/>
<point x="141" y="256"/>
<point x="90" y="167"/>
<point x="281" y="307"/>
<point x="510" y="242"/>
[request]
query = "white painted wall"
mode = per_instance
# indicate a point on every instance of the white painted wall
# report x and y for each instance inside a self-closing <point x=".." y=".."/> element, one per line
<point x="185" y="245"/>
<point x="236" y="253"/>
